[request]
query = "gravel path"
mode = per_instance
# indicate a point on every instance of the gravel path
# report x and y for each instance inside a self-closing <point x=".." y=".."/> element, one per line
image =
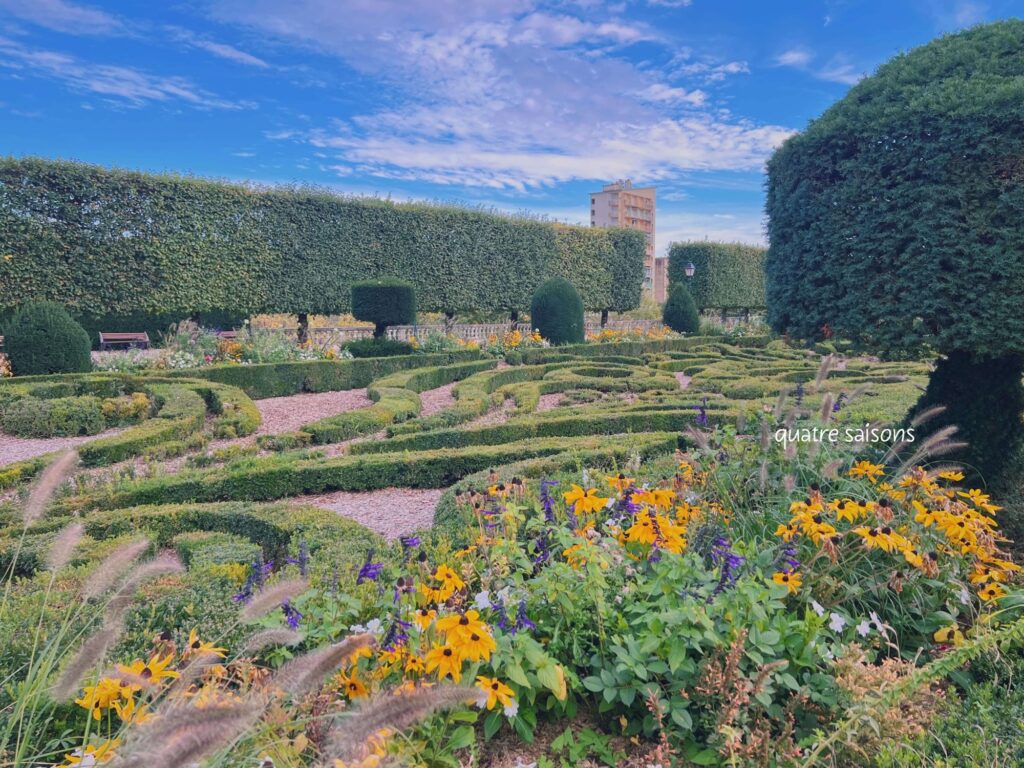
<point x="14" y="449"/>
<point x="498" y="415"/>
<point x="286" y="414"/>
<point x="683" y="379"/>
<point x="391" y="512"/>
<point x="549" y="402"/>
<point x="435" y="400"/>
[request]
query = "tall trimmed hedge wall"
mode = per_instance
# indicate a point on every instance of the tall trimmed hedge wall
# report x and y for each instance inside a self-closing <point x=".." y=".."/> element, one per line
<point x="728" y="276"/>
<point x="111" y="241"/>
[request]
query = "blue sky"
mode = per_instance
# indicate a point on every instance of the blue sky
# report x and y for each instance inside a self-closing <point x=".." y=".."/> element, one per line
<point x="513" y="104"/>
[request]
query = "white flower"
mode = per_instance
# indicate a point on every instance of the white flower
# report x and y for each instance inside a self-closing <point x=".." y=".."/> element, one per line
<point x="836" y="622"/>
<point x="482" y="601"/>
<point x="610" y="503"/>
<point x="877" y="623"/>
<point x="965" y="596"/>
<point x="586" y="477"/>
<point x="864" y="628"/>
<point x="512" y="709"/>
<point x="817" y="607"/>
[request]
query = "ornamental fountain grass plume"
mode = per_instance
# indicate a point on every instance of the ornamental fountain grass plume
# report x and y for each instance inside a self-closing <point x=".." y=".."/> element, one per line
<point x="885" y="212"/>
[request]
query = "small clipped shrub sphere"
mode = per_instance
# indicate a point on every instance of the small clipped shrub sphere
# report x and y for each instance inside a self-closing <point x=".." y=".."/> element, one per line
<point x="384" y="302"/>
<point x="557" y="312"/>
<point x="42" y="338"/>
<point x="680" y="312"/>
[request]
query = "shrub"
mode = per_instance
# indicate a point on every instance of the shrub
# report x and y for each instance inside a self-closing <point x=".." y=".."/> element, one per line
<point x="384" y="302"/>
<point x="378" y="347"/>
<point x="61" y="417"/>
<point x="680" y="313"/>
<point x="557" y="312"/>
<point x="868" y="243"/>
<point x="727" y="276"/>
<point x="42" y="338"/>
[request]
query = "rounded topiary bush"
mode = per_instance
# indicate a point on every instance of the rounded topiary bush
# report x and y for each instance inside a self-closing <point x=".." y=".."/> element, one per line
<point x="680" y="312"/>
<point x="384" y="302"/>
<point x="557" y="312"/>
<point x="42" y="338"/>
<point x="895" y="222"/>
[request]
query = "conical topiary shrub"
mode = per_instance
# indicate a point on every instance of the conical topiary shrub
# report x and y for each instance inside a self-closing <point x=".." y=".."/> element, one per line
<point x="557" y="312"/>
<point x="680" y="313"/>
<point x="42" y="338"/>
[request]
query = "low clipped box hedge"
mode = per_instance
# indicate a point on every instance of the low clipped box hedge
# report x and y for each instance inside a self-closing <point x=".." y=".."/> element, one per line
<point x="286" y="476"/>
<point x="378" y="347"/>
<point x="263" y="380"/>
<point x="384" y="302"/>
<point x="57" y="417"/>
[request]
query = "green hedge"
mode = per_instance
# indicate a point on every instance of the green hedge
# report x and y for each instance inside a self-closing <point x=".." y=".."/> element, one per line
<point x="265" y="380"/>
<point x="537" y="428"/>
<point x="396" y="400"/>
<point x="112" y="241"/>
<point x="728" y="276"/>
<point x="285" y="476"/>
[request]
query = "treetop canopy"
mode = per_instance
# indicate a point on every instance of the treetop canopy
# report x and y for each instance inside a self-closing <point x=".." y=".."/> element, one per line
<point x="897" y="217"/>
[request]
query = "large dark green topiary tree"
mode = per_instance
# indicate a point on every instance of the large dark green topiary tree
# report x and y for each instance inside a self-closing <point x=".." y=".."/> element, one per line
<point x="42" y="338"/>
<point x="557" y="312"/>
<point x="680" y="313"/>
<point x="897" y="219"/>
<point x="384" y="302"/>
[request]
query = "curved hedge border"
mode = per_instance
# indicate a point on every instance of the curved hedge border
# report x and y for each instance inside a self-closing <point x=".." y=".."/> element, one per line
<point x="396" y="398"/>
<point x="262" y="380"/>
<point x="284" y="476"/>
<point x="728" y="275"/>
<point x="113" y="241"/>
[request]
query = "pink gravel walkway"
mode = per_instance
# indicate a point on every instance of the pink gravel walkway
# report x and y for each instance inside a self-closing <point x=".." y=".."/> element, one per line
<point x="683" y="379"/>
<point x="549" y="402"/>
<point x="435" y="400"/>
<point x="14" y="449"/>
<point x="391" y="512"/>
<point x="286" y="414"/>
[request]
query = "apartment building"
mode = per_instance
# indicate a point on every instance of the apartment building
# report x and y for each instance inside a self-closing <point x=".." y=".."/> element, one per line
<point x="622" y="205"/>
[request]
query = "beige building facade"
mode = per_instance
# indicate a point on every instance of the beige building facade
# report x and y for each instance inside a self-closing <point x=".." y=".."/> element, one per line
<point x="620" y="204"/>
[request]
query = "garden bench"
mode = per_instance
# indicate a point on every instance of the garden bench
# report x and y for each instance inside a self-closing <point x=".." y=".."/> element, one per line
<point x="229" y="335"/>
<point x="110" y="341"/>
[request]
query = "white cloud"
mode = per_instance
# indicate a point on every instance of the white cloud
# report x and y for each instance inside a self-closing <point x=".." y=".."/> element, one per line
<point x="126" y="85"/>
<point x="498" y="95"/>
<point x="661" y="93"/>
<point x="839" y="72"/>
<point x="221" y="50"/>
<point x="62" y="16"/>
<point x="671" y="3"/>
<point x="957" y="14"/>
<point x="744" y="227"/>
<point x="795" y="57"/>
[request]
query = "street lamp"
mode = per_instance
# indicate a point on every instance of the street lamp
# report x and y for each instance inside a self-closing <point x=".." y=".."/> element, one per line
<point x="689" y="269"/>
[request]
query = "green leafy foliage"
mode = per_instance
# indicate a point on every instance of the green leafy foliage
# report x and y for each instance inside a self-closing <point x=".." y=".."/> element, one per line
<point x="378" y="347"/>
<point x="680" y="313"/>
<point x="727" y="275"/>
<point x="557" y="312"/>
<point x="42" y="338"/>
<point x="383" y="302"/>
<point x="887" y="210"/>
<point x="110" y="241"/>
<point x="903" y="196"/>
